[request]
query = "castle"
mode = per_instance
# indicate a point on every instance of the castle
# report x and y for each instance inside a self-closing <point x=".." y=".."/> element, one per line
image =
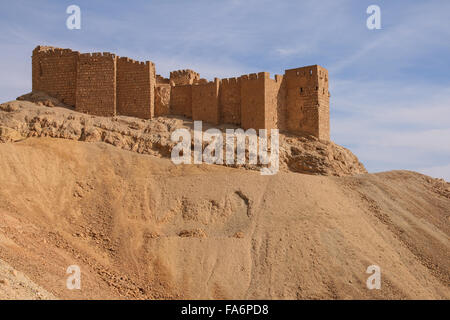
<point x="105" y="84"/>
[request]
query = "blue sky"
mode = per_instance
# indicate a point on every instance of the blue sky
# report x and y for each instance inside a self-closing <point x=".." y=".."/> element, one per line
<point x="390" y="88"/>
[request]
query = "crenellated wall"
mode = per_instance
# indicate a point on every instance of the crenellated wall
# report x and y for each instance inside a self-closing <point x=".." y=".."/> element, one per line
<point x="183" y="77"/>
<point x="54" y="71"/>
<point x="275" y="97"/>
<point x="308" y="101"/>
<point x="106" y="85"/>
<point x="96" y="84"/>
<point x="181" y="100"/>
<point x="205" y="101"/>
<point x="253" y="101"/>
<point x="230" y="101"/>
<point x="135" y="88"/>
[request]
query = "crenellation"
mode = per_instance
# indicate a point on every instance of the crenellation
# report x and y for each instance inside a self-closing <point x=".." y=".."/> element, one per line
<point x="161" y="79"/>
<point x="278" y="78"/>
<point x="135" y="88"/>
<point x="105" y="84"/>
<point x="183" y="77"/>
<point x="54" y="71"/>
<point x="205" y="101"/>
<point x="96" y="84"/>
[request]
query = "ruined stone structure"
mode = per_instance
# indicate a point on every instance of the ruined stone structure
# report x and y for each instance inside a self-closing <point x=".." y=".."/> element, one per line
<point x="99" y="83"/>
<point x="107" y="85"/>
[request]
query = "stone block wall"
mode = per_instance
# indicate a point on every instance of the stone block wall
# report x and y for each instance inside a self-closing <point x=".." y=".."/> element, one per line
<point x="183" y="77"/>
<point x="308" y="101"/>
<point x="96" y="84"/>
<point x="205" y="102"/>
<point x="324" y="104"/>
<point x="181" y="100"/>
<point x="161" y="79"/>
<point x="135" y="88"/>
<point x="230" y="101"/>
<point x="275" y="102"/>
<point x="54" y="71"/>
<point x="106" y="85"/>
<point x="253" y="101"/>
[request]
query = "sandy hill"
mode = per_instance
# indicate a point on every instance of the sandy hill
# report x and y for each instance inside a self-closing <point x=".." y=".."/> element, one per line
<point x="140" y="227"/>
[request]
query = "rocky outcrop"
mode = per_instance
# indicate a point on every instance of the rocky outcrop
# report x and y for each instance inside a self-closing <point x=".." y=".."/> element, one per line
<point x="37" y="115"/>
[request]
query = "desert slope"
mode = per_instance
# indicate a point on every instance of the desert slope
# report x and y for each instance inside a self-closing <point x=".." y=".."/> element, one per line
<point x="140" y="227"/>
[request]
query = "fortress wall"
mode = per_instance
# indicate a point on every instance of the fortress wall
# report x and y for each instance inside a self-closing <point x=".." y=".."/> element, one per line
<point x="105" y="85"/>
<point x="307" y="102"/>
<point x="230" y="101"/>
<point x="96" y="84"/>
<point x="181" y="100"/>
<point x="253" y="101"/>
<point x="162" y="99"/>
<point x="183" y="77"/>
<point x="275" y="101"/>
<point x="135" y="88"/>
<point x="54" y="71"/>
<point x="324" y="104"/>
<point x="205" y="102"/>
<point x="161" y="79"/>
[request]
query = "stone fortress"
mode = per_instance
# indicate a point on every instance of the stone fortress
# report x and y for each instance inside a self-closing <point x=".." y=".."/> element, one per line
<point x="105" y="84"/>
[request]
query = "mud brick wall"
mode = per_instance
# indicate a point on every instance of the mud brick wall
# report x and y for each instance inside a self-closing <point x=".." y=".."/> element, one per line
<point x="96" y="84"/>
<point x="307" y="101"/>
<point x="230" y="101"/>
<point x="205" y="102"/>
<point x="162" y="99"/>
<point x="181" y="100"/>
<point x="135" y="88"/>
<point x="54" y="71"/>
<point x="183" y="77"/>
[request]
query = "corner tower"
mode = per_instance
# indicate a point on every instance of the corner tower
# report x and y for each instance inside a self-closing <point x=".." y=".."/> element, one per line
<point x="308" y="101"/>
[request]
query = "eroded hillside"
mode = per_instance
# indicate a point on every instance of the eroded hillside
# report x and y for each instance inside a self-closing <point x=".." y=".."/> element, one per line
<point x="140" y="227"/>
<point x="37" y="115"/>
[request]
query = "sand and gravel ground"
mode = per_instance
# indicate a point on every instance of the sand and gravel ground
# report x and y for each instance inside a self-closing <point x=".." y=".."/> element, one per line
<point x="140" y="227"/>
<point x="15" y="285"/>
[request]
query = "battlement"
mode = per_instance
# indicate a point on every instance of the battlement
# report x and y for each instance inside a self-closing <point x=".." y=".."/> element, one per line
<point x="201" y="82"/>
<point x="184" y="73"/>
<point x="129" y="60"/>
<point x="279" y="78"/>
<point x="49" y="51"/>
<point x="255" y="76"/>
<point x="161" y="79"/>
<point x="44" y="49"/>
<point x="98" y="55"/>
<point x="105" y="84"/>
<point x="230" y="81"/>
<point x="183" y="77"/>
